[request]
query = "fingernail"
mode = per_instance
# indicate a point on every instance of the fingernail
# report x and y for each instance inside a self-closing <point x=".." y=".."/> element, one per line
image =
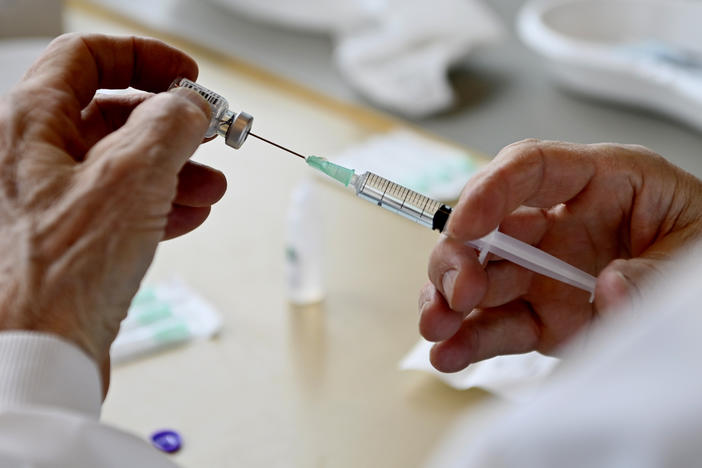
<point x="618" y="292"/>
<point x="425" y="297"/>
<point x="195" y="98"/>
<point x="448" y="281"/>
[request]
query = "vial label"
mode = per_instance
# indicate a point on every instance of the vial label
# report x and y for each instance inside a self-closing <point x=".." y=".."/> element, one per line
<point x="210" y="96"/>
<point x="218" y="104"/>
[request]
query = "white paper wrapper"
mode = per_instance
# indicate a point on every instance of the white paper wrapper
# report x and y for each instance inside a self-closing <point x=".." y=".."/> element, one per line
<point x="514" y="377"/>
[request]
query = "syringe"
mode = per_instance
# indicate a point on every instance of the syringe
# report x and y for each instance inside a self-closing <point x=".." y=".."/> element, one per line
<point x="434" y="215"/>
<point x="236" y="127"/>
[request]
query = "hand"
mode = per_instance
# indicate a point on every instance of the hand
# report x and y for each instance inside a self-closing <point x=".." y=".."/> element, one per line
<point x="89" y="184"/>
<point x="612" y="210"/>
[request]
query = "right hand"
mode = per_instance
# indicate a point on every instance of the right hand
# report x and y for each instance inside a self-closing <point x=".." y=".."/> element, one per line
<point x="616" y="211"/>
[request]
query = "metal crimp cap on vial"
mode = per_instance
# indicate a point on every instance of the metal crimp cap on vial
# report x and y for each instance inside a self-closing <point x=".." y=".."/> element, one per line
<point x="239" y="129"/>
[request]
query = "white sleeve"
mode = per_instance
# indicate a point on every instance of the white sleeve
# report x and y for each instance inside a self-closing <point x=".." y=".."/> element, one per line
<point x="629" y="395"/>
<point x="50" y="400"/>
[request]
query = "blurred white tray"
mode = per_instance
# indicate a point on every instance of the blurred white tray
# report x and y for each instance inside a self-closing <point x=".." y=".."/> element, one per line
<point x="646" y="53"/>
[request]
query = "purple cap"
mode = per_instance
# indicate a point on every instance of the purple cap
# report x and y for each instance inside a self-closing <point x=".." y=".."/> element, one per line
<point x="167" y="441"/>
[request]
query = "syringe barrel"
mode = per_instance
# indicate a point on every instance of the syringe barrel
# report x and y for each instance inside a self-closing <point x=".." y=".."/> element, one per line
<point x="234" y="127"/>
<point x="434" y="215"/>
<point x="401" y="200"/>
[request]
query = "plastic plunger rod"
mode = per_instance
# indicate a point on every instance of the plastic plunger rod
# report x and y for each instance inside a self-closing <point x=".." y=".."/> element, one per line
<point x="533" y="259"/>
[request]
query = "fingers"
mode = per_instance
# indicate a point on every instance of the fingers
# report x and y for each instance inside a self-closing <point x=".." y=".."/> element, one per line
<point x="465" y="283"/>
<point x="526" y="224"/>
<point x="199" y="185"/>
<point x="624" y="280"/>
<point x="80" y="64"/>
<point x="183" y="219"/>
<point x="160" y="134"/>
<point x="107" y="113"/>
<point x="457" y="275"/>
<point x="437" y="321"/>
<point x="533" y="173"/>
<point x="486" y="333"/>
<point x="506" y="282"/>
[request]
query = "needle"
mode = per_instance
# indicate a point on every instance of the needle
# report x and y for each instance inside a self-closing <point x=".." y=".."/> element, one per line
<point x="277" y="145"/>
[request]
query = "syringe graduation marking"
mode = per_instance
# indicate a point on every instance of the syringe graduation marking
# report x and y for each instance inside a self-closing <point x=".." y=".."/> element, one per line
<point x="404" y="197"/>
<point x="385" y="190"/>
<point x="399" y="198"/>
<point x="424" y="207"/>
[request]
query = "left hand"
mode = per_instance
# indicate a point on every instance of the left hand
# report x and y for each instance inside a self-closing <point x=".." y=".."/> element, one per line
<point x="89" y="184"/>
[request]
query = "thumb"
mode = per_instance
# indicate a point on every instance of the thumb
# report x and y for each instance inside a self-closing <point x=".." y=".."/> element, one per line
<point x="161" y="133"/>
<point x="624" y="281"/>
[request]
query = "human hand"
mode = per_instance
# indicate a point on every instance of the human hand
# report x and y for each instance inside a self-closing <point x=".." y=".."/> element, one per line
<point x="89" y="184"/>
<point x="615" y="211"/>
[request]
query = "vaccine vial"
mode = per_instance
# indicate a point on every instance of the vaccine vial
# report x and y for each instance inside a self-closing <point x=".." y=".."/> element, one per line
<point x="233" y="127"/>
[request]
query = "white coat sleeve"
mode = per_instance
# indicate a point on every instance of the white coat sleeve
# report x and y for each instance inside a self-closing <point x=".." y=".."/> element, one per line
<point x="50" y="399"/>
<point x="629" y="394"/>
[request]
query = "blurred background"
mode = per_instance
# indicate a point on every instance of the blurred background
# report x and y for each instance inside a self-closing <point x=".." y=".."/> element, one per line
<point x="460" y="70"/>
<point x="369" y="80"/>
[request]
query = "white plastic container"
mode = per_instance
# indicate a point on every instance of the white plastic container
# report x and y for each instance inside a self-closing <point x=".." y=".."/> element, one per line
<point x="304" y="246"/>
<point x="646" y="53"/>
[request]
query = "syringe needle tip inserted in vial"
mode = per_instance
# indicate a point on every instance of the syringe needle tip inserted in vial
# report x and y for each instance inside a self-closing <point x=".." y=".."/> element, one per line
<point x="434" y="214"/>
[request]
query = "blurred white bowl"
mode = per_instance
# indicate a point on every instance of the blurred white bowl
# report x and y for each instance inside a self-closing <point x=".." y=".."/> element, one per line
<point x="642" y="52"/>
<point x="316" y="15"/>
<point x="16" y="56"/>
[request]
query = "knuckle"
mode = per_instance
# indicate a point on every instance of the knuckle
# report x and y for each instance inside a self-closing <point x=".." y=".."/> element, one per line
<point x="528" y="142"/>
<point x="68" y="40"/>
<point x="625" y="151"/>
<point x="524" y="144"/>
<point x="626" y="158"/>
<point x="619" y="264"/>
<point x="634" y="148"/>
<point x="528" y="148"/>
